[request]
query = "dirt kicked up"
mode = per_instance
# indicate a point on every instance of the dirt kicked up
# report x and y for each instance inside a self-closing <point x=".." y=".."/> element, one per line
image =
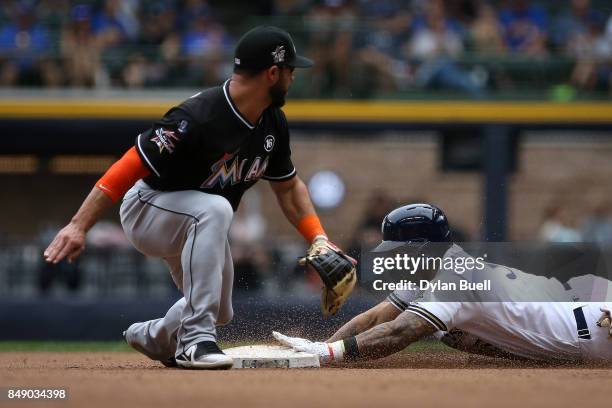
<point x="423" y="379"/>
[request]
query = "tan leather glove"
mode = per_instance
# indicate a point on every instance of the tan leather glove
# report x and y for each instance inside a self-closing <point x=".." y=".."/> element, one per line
<point x="605" y="320"/>
<point x="337" y="271"/>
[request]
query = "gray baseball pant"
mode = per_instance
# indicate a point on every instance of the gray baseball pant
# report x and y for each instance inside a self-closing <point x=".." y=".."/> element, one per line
<point x="188" y="230"/>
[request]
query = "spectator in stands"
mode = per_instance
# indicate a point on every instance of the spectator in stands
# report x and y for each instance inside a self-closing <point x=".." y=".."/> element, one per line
<point x="330" y="25"/>
<point x="557" y="226"/>
<point x="436" y="45"/>
<point x="80" y="50"/>
<point x="115" y="28"/>
<point x="190" y="10"/>
<point x="580" y="34"/>
<point x="159" y="45"/>
<point x="24" y="49"/>
<point x="114" y="23"/>
<point x="525" y="27"/>
<point x="463" y="13"/>
<point x="598" y="226"/>
<point x="573" y="26"/>
<point x="381" y="65"/>
<point x="52" y="13"/>
<point x="487" y="32"/>
<point x="205" y="45"/>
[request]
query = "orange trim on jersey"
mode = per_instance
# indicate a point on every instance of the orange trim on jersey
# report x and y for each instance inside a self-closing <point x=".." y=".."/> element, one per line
<point x="122" y="175"/>
<point x="310" y="226"/>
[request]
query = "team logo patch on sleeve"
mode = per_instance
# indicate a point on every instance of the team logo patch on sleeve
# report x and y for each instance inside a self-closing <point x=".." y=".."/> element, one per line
<point x="269" y="143"/>
<point x="165" y="139"/>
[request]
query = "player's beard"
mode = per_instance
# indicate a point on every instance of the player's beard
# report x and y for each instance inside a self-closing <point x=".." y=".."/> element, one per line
<point x="277" y="95"/>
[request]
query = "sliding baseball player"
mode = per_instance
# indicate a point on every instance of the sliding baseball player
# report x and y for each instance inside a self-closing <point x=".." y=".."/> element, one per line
<point x="481" y="322"/>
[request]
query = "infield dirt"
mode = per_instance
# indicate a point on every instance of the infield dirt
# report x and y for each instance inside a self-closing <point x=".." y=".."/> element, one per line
<point x="408" y="380"/>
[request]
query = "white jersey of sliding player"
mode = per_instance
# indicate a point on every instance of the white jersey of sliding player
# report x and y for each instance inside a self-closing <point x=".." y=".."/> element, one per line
<point x="522" y="313"/>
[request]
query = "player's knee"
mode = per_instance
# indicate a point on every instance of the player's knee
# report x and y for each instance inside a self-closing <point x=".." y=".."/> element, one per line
<point x="219" y="209"/>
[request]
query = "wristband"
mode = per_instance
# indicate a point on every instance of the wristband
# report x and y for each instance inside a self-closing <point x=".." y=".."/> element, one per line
<point x="310" y="227"/>
<point x="351" y="351"/>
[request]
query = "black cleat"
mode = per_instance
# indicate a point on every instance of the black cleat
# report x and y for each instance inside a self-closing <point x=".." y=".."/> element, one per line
<point x="205" y="355"/>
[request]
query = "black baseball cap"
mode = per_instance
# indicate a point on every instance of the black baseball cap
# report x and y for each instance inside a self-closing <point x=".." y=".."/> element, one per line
<point x="264" y="46"/>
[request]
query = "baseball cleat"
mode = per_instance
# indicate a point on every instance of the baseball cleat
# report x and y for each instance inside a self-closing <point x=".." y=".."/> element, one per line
<point x="205" y="355"/>
<point x="170" y="362"/>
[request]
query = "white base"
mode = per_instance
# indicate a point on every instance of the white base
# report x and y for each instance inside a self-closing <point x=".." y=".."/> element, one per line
<point x="263" y="356"/>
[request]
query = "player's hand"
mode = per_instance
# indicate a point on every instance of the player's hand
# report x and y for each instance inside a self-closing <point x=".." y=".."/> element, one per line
<point x="298" y="344"/>
<point x="68" y="243"/>
<point x="319" y="245"/>
<point x="606" y="319"/>
<point x="337" y="271"/>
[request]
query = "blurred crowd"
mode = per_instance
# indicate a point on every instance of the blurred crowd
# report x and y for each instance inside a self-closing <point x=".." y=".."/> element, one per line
<point x="559" y="226"/>
<point x="362" y="48"/>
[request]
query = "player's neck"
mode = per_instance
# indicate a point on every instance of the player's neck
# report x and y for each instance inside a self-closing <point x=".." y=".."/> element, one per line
<point x="249" y="98"/>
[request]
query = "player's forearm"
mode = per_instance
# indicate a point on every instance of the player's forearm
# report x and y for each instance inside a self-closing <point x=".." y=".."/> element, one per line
<point x="94" y="206"/>
<point x="391" y="337"/>
<point x="356" y="325"/>
<point x="294" y="200"/>
<point x="381" y="313"/>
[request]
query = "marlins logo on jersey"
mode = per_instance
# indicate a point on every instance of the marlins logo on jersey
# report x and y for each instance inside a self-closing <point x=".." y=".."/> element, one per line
<point x="222" y="174"/>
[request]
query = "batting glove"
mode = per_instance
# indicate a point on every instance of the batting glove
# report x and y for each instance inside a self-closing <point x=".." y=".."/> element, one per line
<point x="327" y="352"/>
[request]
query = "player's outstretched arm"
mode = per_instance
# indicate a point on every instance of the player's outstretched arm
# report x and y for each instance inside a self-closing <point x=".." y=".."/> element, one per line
<point x="70" y="240"/>
<point x="391" y="337"/>
<point x="381" y="313"/>
<point x="380" y="341"/>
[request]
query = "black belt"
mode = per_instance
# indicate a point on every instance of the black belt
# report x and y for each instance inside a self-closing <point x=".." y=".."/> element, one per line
<point x="581" y="324"/>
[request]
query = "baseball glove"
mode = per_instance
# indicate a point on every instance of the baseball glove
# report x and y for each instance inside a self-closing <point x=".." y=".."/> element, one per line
<point x="605" y="320"/>
<point x="337" y="271"/>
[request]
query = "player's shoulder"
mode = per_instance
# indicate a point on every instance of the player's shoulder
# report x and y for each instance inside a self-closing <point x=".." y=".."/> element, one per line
<point x="201" y="107"/>
<point x="277" y="118"/>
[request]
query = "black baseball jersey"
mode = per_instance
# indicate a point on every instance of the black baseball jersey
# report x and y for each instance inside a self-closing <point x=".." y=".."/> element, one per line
<point x="206" y="144"/>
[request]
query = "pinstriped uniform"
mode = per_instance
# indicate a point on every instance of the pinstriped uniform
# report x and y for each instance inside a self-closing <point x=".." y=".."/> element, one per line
<point x="533" y="329"/>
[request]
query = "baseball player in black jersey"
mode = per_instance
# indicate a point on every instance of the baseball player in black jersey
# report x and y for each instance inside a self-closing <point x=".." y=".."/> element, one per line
<point x="186" y="176"/>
